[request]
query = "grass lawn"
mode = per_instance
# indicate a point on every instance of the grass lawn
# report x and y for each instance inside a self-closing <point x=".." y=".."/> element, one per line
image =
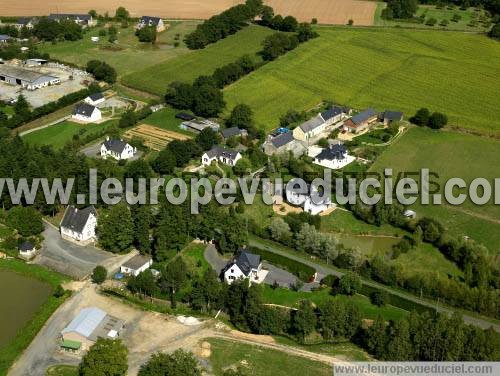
<point x="451" y="154"/>
<point x="396" y="69"/>
<point x="128" y="54"/>
<point x="193" y="257"/>
<point x="291" y="298"/>
<point x="431" y="11"/>
<point x="62" y="370"/>
<point x="261" y="361"/>
<point x="341" y="221"/>
<point x="59" y="134"/>
<point x="13" y="349"/>
<point x="165" y="119"/>
<point x="155" y="79"/>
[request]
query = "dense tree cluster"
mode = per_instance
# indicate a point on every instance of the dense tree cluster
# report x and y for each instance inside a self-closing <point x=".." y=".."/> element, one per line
<point x="400" y="9"/>
<point x="424" y="118"/>
<point x="224" y="24"/>
<point x="278" y="44"/>
<point x="105" y="357"/>
<point x="102" y="71"/>
<point x="146" y="34"/>
<point x="178" y="363"/>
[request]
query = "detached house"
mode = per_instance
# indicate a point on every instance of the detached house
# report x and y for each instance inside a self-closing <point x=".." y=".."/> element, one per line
<point x="283" y="143"/>
<point x="136" y="265"/>
<point x="387" y="117"/>
<point x="27" y="22"/>
<point x="310" y="199"/>
<point x="86" y="113"/>
<point x="233" y="132"/>
<point x="226" y="156"/>
<point x="147" y="21"/>
<point x="4" y="38"/>
<point x="245" y="265"/>
<point x="27" y="250"/>
<point x="79" y="224"/>
<point x="334" y="157"/>
<point x="310" y="128"/>
<point x="84" y="20"/>
<point x="361" y="121"/>
<point x="117" y="149"/>
<point x="335" y="114"/>
<point x="95" y="99"/>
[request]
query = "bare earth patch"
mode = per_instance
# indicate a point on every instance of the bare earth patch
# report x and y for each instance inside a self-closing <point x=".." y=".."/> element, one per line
<point x="326" y="11"/>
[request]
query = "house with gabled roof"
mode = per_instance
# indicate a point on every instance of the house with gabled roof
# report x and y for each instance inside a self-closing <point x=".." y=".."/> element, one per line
<point x="227" y="156"/>
<point x="148" y="21"/>
<point x="335" y="114"/>
<point x="136" y="265"/>
<point x="245" y="265"/>
<point x="117" y="148"/>
<point x="233" y="132"/>
<point x="334" y="156"/>
<point x="84" y="20"/>
<point x="4" y="38"/>
<point x="387" y="117"/>
<point x="283" y="143"/>
<point x="361" y="121"/>
<point x="27" y="22"/>
<point x="311" y="128"/>
<point x="79" y="224"/>
<point x="95" y="98"/>
<point x="86" y="113"/>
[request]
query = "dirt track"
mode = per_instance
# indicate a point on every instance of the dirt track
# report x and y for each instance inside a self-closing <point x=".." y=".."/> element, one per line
<point x="326" y="11"/>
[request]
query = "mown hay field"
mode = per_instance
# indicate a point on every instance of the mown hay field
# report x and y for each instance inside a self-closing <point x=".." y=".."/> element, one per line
<point x="450" y="155"/>
<point x="455" y="73"/>
<point x="153" y="137"/>
<point x="186" y="68"/>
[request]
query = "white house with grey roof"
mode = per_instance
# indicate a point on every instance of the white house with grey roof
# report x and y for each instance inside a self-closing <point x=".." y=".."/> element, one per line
<point x="86" y="113"/>
<point x="148" y="21"/>
<point x="136" y="265"/>
<point x="227" y="156"/>
<point x="95" y="99"/>
<point x="90" y="324"/>
<point x="84" y="20"/>
<point x="79" y="224"/>
<point x="4" y="38"/>
<point x="310" y="128"/>
<point x="117" y="149"/>
<point x="27" y="22"/>
<point x="307" y="196"/>
<point x="245" y="265"/>
<point x="26" y="78"/>
<point x="334" y="156"/>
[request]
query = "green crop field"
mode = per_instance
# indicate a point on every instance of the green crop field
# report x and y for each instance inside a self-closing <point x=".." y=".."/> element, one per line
<point x="451" y="154"/>
<point x="165" y="119"/>
<point x="392" y="68"/>
<point x="156" y="78"/>
<point x="127" y="54"/>
<point x="59" y="134"/>
<point x="469" y="19"/>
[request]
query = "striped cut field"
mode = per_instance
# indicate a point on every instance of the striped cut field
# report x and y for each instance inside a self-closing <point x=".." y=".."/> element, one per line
<point x="451" y="72"/>
<point x="154" y="137"/>
<point x="186" y="68"/>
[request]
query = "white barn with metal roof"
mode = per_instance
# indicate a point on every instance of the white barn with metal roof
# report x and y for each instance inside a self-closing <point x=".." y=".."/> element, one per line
<point x="26" y="78"/>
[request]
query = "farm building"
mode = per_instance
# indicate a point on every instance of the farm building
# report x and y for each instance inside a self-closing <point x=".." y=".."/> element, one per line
<point x="226" y="156"/>
<point x="90" y="324"/>
<point x="79" y="224"/>
<point x="361" y="121"/>
<point x="95" y="99"/>
<point x="283" y="143"/>
<point x="136" y="265"/>
<point x="310" y="128"/>
<point x="147" y="21"/>
<point x="233" y="132"/>
<point x="117" y="149"/>
<point x="4" y="38"/>
<point x="184" y="116"/>
<point x="245" y="266"/>
<point x="27" y="250"/>
<point x="196" y="126"/>
<point x="83" y="20"/>
<point x="35" y="62"/>
<point x="26" y="78"/>
<point x="335" y="114"/>
<point x="334" y="157"/>
<point x="387" y="117"/>
<point x="86" y="113"/>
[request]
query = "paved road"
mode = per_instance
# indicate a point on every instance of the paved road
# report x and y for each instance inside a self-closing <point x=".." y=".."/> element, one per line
<point x="72" y="259"/>
<point x="326" y="270"/>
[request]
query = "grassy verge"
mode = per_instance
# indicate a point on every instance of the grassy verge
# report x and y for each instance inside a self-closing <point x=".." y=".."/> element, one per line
<point x="62" y="370"/>
<point x="10" y="352"/>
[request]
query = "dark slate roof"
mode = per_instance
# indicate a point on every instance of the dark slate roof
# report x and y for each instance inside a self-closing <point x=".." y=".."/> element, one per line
<point x="247" y="261"/>
<point x="333" y="152"/>
<point x="26" y="246"/>
<point x="96" y="96"/>
<point x="115" y="144"/>
<point x="84" y="109"/>
<point x="282" y="139"/>
<point x="363" y="116"/>
<point x="231" y="132"/>
<point x="24" y="20"/>
<point x="4" y="37"/>
<point x="150" y="20"/>
<point x="393" y="115"/>
<point x="137" y="261"/>
<point x="217" y="151"/>
<point x="75" y="219"/>
<point x="332" y="112"/>
<point x="313" y="123"/>
<point x="59" y="16"/>
<point x="184" y="116"/>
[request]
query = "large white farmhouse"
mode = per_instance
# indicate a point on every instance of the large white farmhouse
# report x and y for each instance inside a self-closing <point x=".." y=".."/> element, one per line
<point x="309" y="198"/>
<point x="226" y="156"/>
<point x="86" y="113"/>
<point x="117" y="149"/>
<point x="95" y="99"/>
<point x="245" y="266"/>
<point x="334" y="157"/>
<point x="79" y="224"/>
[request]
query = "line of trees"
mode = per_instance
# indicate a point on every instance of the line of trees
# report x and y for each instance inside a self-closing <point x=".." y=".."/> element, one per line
<point x="102" y="71"/>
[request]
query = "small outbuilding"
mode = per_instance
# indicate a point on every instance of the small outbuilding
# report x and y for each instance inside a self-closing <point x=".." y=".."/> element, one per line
<point x="95" y="99"/>
<point x="136" y="265"/>
<point x="388" y="117"/>
<point x="27" y="250"/>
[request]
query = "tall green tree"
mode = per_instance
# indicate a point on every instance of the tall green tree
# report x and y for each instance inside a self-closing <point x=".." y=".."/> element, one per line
<point x="172" y="278"/>
<point x="142" y="224"/>
<point x="304" y="320"/>
<point x="25" y="219"/>
<point x="178" y="363"/>
<point x="106" y="357"/>
<point x="241" y="117"/>
<point x="116" y="229"/>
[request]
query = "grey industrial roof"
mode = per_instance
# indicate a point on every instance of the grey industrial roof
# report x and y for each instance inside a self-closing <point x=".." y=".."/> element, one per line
<point x="23" y="74"/>
<point x="282" y="139"/>
<point x="150" y="20"/>
<point x="363" y="116"/>
<point x="333" y="152"/>
<point x="84" y="109"/>
<point x="231" y="132"/>
<point x="217" y="151"/>
<point x="96" y="96"/>
<point x="247" y="261"/>
<point x="137" y="261"/>
<point x="313" y="123"/>
<point x="75" y="219"/>
<point x="115" y="144"/>
<point x="86" y="321"/>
